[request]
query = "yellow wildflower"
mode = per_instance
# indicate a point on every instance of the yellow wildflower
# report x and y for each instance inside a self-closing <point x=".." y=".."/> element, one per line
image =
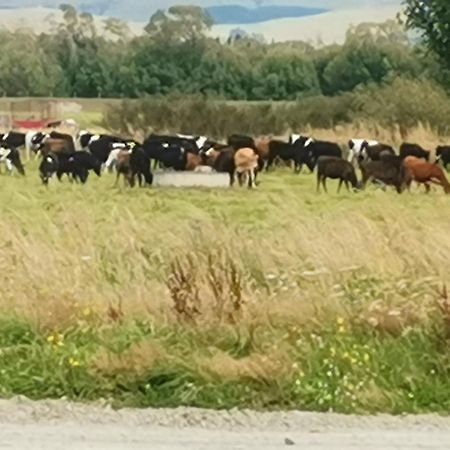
<point x="51" y="339"/>
<point x="340" y="321"/>
<point x="74" y="363"/>
<point x="342" y="329"/>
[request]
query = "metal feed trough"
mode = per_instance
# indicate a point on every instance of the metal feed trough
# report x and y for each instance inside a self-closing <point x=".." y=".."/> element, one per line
<point x="191" y="179"/>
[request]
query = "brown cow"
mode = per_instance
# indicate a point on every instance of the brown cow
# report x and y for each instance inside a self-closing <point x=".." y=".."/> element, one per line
<point x="123" y="167"/>
<point x="192" y="161"/>
<point x="56" y="146"/>
<point x="246" y="166"/>
<point x="423" y="172"/>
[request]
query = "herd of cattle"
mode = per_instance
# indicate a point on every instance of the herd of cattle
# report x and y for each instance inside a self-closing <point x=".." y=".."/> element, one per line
<point x="242" y="157"/>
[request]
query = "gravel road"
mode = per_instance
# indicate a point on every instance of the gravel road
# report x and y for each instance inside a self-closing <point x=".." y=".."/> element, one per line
<point x="59" y="425"/>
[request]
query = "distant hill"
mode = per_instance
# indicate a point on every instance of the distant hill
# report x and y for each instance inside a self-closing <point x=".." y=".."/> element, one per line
<point x="326" y="28"/>
<point x="236" y="14"/>
<point x="224" y="11"/>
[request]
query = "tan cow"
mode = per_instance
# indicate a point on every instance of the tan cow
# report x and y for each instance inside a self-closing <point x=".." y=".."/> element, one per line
<point x="246" y="165"/>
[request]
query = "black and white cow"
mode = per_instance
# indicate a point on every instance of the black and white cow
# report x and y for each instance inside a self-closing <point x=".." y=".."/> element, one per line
<point x="311" y="150"/>
<point x="10" y="156"/>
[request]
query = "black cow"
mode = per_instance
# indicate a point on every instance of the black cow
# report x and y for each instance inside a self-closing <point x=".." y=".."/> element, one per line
<point x="169" y="153"/>
<point x="140" y="167"/>
<point x="407" y="149"/>
<point x="134" y="162"/>
<point x="49" y="166"/>
<point x="78" y="165"/>
<point x="337" y="169"/>
<point x="443" y="155"/>
<point x="311" y="150"/>
<point x="389" y="170"/>
<point x="238" y="141"/>
<point x="286" y="152"/>
<point x="225" y="163"/>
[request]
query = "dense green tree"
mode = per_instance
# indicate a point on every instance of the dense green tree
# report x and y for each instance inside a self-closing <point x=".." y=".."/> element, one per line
<point x="431" y="18"/>
<point x="177" y="56"/>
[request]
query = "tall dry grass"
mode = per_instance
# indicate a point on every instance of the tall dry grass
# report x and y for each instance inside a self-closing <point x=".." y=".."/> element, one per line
<point x="279" y="297"/>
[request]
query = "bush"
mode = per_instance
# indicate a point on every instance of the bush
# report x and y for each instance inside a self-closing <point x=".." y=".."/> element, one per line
<point x="402" y="103"/>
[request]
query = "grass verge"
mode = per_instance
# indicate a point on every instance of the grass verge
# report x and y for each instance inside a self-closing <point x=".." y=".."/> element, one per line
<point x="279" y="298"/>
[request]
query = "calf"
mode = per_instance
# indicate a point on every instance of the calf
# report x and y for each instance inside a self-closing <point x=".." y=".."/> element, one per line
<point x="423" y="172"/>
<point x="443" y="155"/>
<point x="246" y="166"/>
<point x="337" y="169"/>
<point x="407" y="149"/>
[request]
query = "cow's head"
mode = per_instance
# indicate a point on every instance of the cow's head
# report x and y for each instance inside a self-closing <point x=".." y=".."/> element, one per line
<point x="38" y="140"/>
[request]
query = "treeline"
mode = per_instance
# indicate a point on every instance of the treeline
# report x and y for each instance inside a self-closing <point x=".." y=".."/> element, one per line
<point x="175" y="55"/>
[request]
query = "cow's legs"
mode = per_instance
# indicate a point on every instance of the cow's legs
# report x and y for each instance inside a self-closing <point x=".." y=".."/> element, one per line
<point x="340" y="185"/>
<point x="324" y="183"/>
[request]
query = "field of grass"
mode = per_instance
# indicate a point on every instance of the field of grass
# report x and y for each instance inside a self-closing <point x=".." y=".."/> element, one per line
<point x="277" y="298"/>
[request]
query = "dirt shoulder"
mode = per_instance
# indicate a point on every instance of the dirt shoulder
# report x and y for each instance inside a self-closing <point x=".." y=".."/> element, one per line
<point x="59" y="425"/>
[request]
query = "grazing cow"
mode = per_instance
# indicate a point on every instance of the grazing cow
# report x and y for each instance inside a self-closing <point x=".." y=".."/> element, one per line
<point x="171" y="153"/>
<point x="388" y="170"/>
<point x="134" y="162"/>
<point x="443" y="155"/>
<point x="222" y="161"/>
<point x="102" y="147"/>
<point x="374" y="152"/>
<point x="285" y="152"/>
<point x="78" y="165"/>
<point x="48" y="167"/>
<point x="189" y="145"/>
<point x="246" y="166"/>
<point x="423" y="172"/>
<point x="11" y="158"/>
<point x="355" y="147"/>
<point x="407" y="149"/>
<point x="337" y="169"/>
<point x="311" y="150"/>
